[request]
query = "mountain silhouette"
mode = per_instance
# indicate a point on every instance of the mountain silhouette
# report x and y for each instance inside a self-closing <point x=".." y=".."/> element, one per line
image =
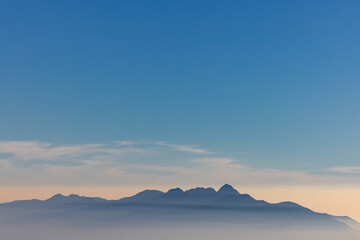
<point x="145" y="195"/>
<point x="200" y="191"/>
<point x="228" y="190"/>
<point x="197" y="205"/>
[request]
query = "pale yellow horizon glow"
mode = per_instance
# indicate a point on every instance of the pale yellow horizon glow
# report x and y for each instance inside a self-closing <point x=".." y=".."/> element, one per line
<point x="335" y="200"/>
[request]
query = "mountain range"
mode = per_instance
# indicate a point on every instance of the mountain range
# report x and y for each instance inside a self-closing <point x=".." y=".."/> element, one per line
<point x="176" y="206"/>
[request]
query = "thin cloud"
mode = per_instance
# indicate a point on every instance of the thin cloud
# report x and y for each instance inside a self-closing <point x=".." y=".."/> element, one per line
<point x="124" y="143"/>
<point x="165" y="169"/>
<point x="35" y="162"/>
<point x="36" y="150"/>
<point x="185" y="148"/>
<point x="348" y="170"/>
<point x="218" y="162"/>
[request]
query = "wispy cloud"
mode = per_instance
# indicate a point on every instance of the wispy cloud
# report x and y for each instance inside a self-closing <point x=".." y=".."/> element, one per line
<point x="138" y="163"/>
<point x="185" y="148"/>
<point x="349" y="169"/>
<point x="124" y="143"/>
<point x="36" y="150"/>
<point x="162" y="169"/>
<point x="218" y="162"/>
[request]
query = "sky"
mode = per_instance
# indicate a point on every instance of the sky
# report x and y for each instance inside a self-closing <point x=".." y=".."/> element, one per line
<point x="109" y="97"/>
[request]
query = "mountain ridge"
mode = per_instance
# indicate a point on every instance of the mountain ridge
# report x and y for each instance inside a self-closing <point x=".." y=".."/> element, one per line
<point x="196" y="204"/>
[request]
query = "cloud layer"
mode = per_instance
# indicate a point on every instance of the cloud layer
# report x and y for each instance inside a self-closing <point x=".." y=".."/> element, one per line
<point x="137" y="163"/>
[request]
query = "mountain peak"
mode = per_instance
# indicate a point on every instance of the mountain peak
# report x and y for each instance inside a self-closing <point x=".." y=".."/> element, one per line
<point x="200" y="191"/>
<point x="146" y="194"/>
<point x="175" y="191"/>
<point x="228" y="189"/>
<point x="56" y="196"/>
<point x="62" y="198"/>
<point x="73" y="195"/>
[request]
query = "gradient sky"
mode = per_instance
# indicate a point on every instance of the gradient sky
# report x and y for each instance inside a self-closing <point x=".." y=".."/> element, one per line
<point x="133" y="94"/>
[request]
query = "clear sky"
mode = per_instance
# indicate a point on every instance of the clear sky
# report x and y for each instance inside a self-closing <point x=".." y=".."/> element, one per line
<point x="132" y="94"/>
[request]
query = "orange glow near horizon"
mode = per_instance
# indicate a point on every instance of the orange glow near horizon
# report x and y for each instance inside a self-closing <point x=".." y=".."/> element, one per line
<point x="336" y="200"/>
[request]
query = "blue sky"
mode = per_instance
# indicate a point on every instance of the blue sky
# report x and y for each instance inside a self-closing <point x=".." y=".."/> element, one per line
<point x="265" y="84"/>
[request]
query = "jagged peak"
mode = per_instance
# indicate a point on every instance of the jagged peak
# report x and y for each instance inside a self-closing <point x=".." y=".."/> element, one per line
<point x="228" y="189"/>
<point x="60" y="197"/>
<point x="201" y="190"/>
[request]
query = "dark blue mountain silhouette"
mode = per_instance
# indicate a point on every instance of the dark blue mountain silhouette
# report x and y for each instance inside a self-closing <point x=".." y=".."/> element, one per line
<point x="200" y="191"/>
<point x="176" y="205"/>
<point x="228" y="190"/>
<point x="146" y="195"/>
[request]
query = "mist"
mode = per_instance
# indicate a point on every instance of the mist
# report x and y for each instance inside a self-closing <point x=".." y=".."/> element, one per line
<point x="198" y="213"/>
<point x="166" y="232"/>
